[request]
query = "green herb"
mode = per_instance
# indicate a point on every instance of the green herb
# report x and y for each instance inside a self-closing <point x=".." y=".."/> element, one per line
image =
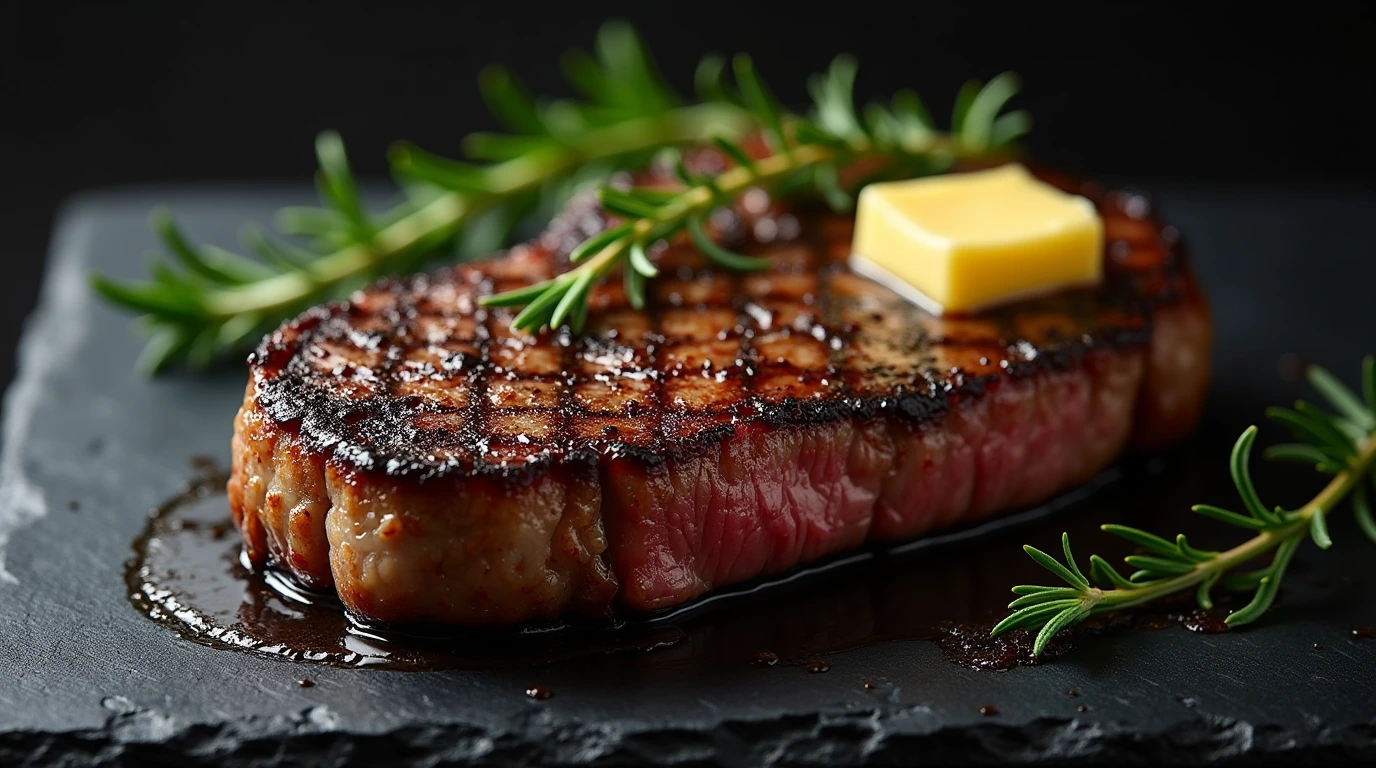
<point x="208" y="300"/>
<point x="898" y="139"/>
<point x="1341" y="444"/>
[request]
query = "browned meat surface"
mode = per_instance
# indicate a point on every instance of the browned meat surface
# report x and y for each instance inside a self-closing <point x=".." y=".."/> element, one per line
<point x="412" y="452"/>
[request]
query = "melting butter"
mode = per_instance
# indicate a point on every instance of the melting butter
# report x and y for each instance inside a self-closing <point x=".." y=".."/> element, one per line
<point x="968" y="241"/>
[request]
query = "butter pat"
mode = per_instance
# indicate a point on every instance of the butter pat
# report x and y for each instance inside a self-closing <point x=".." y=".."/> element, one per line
<point x="969" y="241"/>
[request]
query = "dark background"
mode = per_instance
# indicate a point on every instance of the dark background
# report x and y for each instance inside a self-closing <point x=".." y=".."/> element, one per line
<point x="150" y="92"/>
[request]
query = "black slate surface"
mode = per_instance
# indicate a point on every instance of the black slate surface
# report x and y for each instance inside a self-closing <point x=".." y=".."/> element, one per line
<point x="85" y="679"/>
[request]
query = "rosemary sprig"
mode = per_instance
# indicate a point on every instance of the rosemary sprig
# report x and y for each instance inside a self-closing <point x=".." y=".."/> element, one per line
<point x="1341" y="444"/>
<point x="900" y="139"/>
<point x="208" y="300"/>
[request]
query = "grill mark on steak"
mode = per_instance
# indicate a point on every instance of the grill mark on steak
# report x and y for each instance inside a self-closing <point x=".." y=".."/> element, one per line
<point x="412" y="378"/>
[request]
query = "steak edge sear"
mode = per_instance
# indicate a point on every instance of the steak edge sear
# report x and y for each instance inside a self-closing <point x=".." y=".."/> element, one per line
<point x="410" y="451"/>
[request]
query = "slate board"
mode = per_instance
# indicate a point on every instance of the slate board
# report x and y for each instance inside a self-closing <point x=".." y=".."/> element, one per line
<point x="87" y="680"/>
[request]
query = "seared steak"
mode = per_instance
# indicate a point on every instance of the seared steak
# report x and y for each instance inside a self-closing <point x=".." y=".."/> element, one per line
<point x="409" y="450"/>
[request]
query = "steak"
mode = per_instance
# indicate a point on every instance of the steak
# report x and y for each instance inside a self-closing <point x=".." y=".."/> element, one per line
<point x="410" y="451"/>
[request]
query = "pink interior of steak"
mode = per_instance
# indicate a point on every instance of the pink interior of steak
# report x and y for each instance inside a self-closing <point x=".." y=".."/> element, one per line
<point x="412" y="451"/>
<point x="766" y="500"/>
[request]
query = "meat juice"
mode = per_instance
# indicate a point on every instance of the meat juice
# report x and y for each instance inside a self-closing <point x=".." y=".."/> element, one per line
<point x="188" y="574"/>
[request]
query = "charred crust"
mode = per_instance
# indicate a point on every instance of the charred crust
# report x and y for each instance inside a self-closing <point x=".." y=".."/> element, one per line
<point x="412" y="378"/>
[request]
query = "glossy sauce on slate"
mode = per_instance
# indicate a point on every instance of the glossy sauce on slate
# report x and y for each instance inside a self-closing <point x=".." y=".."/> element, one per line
<point x="189" y="576"/>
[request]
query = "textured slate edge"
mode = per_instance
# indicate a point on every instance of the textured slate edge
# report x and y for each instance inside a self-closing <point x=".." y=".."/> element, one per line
<point x="136" y="735"/>
<point x="50" y="334"/>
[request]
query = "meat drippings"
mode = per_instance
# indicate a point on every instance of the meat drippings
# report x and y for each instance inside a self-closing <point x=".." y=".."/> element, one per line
<point x="188" y="575"/>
